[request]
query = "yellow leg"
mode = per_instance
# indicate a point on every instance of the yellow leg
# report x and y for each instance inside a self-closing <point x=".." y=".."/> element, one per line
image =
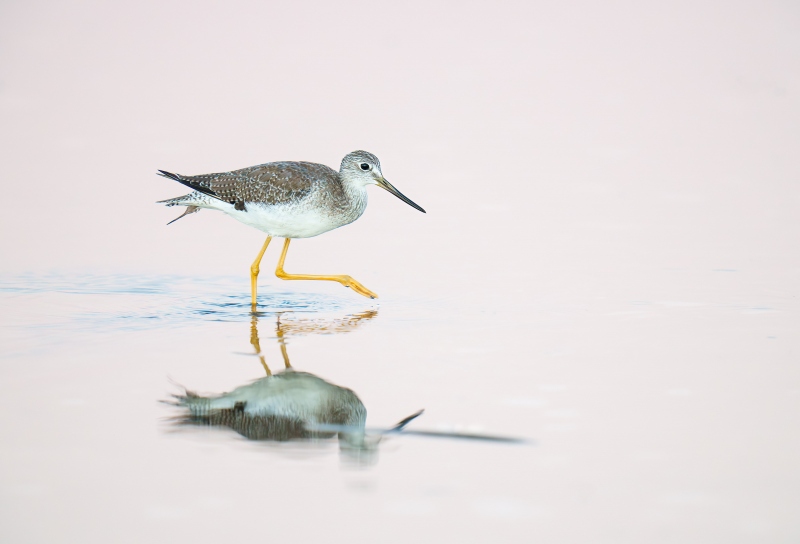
<point x="254" y="270"/>
<point x="347" y="281"/>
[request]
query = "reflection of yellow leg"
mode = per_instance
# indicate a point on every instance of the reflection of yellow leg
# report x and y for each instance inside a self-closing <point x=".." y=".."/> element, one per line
<point x="254" y="270"/>
<point x="282" y="343"/>
<point x="256" y="344"/>
<point x="264" y="364"/>
<point x="347" y="281"/>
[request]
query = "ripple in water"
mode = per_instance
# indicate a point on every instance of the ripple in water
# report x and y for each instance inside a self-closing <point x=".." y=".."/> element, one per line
<point x="128" y="302"/>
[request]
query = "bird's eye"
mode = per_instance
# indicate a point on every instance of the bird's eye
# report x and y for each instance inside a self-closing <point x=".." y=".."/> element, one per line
<point x="364" y="166"/>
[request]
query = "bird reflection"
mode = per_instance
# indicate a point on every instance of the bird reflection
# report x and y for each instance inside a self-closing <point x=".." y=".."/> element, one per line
<point x="303" y="326"/>
<point x="290" y="404"/>
<point x="295" y="405"/>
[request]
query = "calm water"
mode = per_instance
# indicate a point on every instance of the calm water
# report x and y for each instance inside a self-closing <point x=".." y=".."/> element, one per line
<point x="87" y="360"/>
<point x="607" y="272"/>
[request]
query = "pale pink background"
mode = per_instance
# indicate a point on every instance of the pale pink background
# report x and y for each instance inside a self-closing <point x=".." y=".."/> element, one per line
<point x="609" y="265"/>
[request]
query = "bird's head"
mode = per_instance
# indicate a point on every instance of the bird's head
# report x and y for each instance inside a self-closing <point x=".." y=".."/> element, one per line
<point x="361" y="167"/>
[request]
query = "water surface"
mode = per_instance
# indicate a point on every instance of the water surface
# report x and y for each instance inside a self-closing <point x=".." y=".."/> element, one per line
<point x="607" y="270"/>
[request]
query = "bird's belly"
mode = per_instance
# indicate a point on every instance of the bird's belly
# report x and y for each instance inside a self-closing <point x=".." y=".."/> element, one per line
<point x="285" y="221"/>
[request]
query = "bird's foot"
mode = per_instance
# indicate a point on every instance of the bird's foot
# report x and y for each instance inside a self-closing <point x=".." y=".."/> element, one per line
<point x="348" y="281"/>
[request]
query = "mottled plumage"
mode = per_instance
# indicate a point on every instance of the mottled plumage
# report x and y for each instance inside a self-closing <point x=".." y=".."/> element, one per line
<point x="289" y="200"/>
<point x="271" y="183"/>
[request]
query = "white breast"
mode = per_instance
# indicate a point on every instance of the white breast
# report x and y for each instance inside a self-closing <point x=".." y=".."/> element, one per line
<point x="285" y="220"/>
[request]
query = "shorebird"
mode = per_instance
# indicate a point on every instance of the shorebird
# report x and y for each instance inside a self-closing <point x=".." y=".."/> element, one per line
<point x="289" y="200"/>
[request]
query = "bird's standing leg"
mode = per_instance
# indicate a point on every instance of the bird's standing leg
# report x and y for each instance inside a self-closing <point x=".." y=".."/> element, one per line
<point x="347" y="281"/>
<point x="254" y="270"/>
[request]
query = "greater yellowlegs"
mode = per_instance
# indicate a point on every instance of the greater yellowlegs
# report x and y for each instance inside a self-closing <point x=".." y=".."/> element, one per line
<point x="290" y="200"/>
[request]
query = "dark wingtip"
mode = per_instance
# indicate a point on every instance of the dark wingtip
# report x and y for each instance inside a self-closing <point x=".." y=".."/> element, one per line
<point x="188" y="182"/>
<point x="169" y="175"/>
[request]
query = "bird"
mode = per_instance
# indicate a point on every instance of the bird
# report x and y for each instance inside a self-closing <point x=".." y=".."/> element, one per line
<point x="289" y="199"/>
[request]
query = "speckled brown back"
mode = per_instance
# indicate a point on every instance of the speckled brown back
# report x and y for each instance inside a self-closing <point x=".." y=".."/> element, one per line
<point x="271" y="183"/>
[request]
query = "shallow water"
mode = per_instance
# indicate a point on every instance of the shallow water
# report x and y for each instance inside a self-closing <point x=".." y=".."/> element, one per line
<point x="607" y="272"/>
<point x="670" y="439"/>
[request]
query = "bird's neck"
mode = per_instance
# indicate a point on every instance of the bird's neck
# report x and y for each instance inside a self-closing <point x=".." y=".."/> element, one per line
<point x="355" y="196"/>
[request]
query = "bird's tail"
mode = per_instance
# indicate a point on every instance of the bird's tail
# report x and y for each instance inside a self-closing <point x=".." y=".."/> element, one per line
<point x="185" y="200"/>
<point x="193" y="201"/>
<point x="190" y="201"/>
<point x="199" y="406"/>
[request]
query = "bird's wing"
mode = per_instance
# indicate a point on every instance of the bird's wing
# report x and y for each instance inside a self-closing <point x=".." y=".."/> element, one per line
<point x="272" y="183"/>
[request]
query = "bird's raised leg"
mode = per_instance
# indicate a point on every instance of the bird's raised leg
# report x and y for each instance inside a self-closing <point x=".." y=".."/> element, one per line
<point x="347" y="281"/>
<point x="254" y="270"/>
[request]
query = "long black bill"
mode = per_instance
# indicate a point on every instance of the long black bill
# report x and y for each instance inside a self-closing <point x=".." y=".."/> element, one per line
<point x="389" y="187"/>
